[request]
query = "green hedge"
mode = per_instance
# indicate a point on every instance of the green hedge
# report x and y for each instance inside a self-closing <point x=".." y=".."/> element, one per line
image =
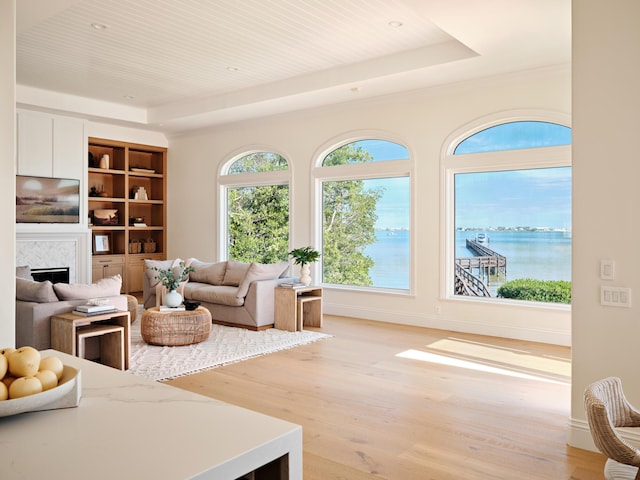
<point x="552" y="291"/>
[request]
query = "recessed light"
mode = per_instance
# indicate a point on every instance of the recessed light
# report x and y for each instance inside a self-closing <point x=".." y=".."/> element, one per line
<point x="395" y="24"/>
<point x="233" y="69"/>
<point x="99" y="26"/>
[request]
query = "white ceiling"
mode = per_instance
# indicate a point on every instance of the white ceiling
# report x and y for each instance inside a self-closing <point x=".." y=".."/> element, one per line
<point x="175" y="65"/>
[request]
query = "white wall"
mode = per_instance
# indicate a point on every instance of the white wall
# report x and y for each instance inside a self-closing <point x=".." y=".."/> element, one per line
<point x="422" y="120"/>
<point x="606" y="173"/>
<point x="7" y="167"/>
<point x="126" y="134"/>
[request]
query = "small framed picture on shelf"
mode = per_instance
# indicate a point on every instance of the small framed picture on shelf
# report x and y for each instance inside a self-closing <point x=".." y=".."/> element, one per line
<point x="101" y="243"/>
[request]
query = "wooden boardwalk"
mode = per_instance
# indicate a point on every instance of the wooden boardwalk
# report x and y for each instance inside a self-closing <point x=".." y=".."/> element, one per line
<point x="487" y="263"/>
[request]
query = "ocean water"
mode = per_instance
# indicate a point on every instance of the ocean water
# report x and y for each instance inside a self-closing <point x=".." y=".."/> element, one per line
<point x="538" y="255"/>
<point x="391" y="256"/>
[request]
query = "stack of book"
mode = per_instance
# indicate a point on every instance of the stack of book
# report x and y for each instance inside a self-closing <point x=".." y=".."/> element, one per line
<point x="90" y="310"/>
<point x="292" y="284"/>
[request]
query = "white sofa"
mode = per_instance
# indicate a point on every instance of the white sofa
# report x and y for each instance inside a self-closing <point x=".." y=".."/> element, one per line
<point x="236" y="293"/>
<point x="36" y="302"/>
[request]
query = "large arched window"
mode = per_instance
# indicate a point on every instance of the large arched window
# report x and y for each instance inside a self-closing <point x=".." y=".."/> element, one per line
<point x="254" y="199"/>
<point x="364" y="215"/>
<point x="508" y="187"/>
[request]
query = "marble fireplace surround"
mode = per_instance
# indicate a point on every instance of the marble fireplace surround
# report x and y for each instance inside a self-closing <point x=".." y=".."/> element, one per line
<point x="49" y="249"/>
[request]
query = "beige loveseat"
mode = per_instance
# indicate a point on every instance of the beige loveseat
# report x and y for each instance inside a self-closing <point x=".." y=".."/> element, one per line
<point x="236" y="293"/>
<point x="36" y="302"/>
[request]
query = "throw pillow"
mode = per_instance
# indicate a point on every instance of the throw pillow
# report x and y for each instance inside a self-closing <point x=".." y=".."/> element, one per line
<point x="32" y="291"/>
<point x="151" y="273"/>
<point x="235" y="273"/>
<point x="261" y="271"/>
<point x="24" y="271"/>
<point x="211" y="273"/>
<point x="107" y="287"/>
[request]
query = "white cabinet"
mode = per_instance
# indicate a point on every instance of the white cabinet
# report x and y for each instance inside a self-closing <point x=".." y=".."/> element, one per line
<point x="35" y="144"/>
<point x="51" y="146"/>
<point x="69" y="147"/>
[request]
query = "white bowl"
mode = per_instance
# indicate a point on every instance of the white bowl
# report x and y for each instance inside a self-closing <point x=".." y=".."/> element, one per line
<point x="66" y="394"/>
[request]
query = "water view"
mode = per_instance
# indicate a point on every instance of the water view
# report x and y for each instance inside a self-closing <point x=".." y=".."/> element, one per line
<point x="543" y="255"/>
<point x="391" y="256"/>
<point x="536" y="254"/>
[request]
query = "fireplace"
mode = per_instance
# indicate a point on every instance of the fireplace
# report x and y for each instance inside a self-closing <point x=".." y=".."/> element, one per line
<point x="54" y="275"/>
<point x="52" y="250"/>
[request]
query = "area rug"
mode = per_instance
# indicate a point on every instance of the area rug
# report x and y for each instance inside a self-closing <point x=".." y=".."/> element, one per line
<point x="225" y="345"/>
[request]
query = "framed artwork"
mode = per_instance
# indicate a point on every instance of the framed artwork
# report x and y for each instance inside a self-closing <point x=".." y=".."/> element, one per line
<point x="102" y="243"/>
<point x="47" y="200"/>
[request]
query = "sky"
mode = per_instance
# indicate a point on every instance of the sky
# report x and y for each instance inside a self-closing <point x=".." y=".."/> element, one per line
<point x="515" y="198"/>
<point x="392" y="206"/>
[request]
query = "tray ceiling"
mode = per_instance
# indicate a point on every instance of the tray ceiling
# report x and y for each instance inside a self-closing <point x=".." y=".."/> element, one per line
<point x="175" y="65"/>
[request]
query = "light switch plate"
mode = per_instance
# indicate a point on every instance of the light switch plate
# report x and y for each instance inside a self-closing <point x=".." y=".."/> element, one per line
<point x="615" y="296"/>
<point x="607" y="269"/>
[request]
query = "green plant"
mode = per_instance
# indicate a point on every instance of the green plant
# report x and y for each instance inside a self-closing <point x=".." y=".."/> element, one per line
<point x="552" y="291"/>
<point x="304" y="255"/>
<point x="349" y="219"/>
<point x="171" y="277"/>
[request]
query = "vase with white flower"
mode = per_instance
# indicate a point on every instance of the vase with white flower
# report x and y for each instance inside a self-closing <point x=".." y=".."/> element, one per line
<point x="170" y="278"/>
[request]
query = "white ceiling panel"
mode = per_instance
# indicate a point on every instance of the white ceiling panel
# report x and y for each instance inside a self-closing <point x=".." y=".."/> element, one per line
<point x="182" y="59"/>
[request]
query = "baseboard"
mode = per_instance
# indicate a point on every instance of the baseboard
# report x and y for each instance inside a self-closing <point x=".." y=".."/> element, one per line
<point x="578" y="435"/>
<point x="532" y="333"/>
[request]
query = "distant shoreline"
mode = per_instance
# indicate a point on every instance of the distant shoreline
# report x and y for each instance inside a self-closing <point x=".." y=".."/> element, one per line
<point x="512" y="229"/>
<point x="487" y="229"/>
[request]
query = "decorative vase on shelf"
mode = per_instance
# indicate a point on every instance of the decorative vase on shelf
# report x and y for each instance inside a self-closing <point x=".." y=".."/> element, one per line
<point x="172" y="299"/>
<point x="305" y="272"/>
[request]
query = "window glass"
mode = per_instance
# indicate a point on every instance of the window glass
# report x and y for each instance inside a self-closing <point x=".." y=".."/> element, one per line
<point x="366" y="221"/>
<point x="255" y="225"/>
<point x="258" y="222"/>
<point x="512" y="226"/>
<point x="258" y="162"/>
<point x="364" y="151"/>
<point x="514" y="136"/>
<point x="524" y="216"/>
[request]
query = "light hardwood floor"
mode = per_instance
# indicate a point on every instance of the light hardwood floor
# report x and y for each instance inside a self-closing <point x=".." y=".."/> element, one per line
<point x="379" y="401"/>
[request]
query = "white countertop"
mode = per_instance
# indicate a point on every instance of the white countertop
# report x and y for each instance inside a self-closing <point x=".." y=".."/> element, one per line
<point x="130" y="427"/>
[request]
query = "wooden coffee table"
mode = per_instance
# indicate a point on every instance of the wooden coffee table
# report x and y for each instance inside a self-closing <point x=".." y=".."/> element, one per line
<point x="174" y="328"/>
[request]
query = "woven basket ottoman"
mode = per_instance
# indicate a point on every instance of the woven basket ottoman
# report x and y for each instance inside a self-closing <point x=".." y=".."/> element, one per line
<point x="175" y="328"/>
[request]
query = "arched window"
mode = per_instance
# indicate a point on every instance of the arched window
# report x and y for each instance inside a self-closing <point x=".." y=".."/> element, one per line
<point x="364" y="198"/>
<point x="254" y="199"/>
<point x="508" y="189"/>
<point x="515" y="136"/>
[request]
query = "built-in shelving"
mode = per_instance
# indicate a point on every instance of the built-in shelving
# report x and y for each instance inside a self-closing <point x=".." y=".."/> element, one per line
<point x="126" y="189"/>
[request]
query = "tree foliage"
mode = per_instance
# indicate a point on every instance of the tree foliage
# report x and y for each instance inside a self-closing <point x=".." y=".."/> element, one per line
<point x="258" y="216"/>
<point x="349" y="217"/>
<point x="258" y="162"/>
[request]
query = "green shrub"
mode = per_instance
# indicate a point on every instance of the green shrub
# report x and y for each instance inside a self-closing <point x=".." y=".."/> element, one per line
<point x="552" y="291"/>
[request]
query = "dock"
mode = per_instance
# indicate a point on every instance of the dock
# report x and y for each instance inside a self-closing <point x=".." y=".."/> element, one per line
<point x="487" y="262"/>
